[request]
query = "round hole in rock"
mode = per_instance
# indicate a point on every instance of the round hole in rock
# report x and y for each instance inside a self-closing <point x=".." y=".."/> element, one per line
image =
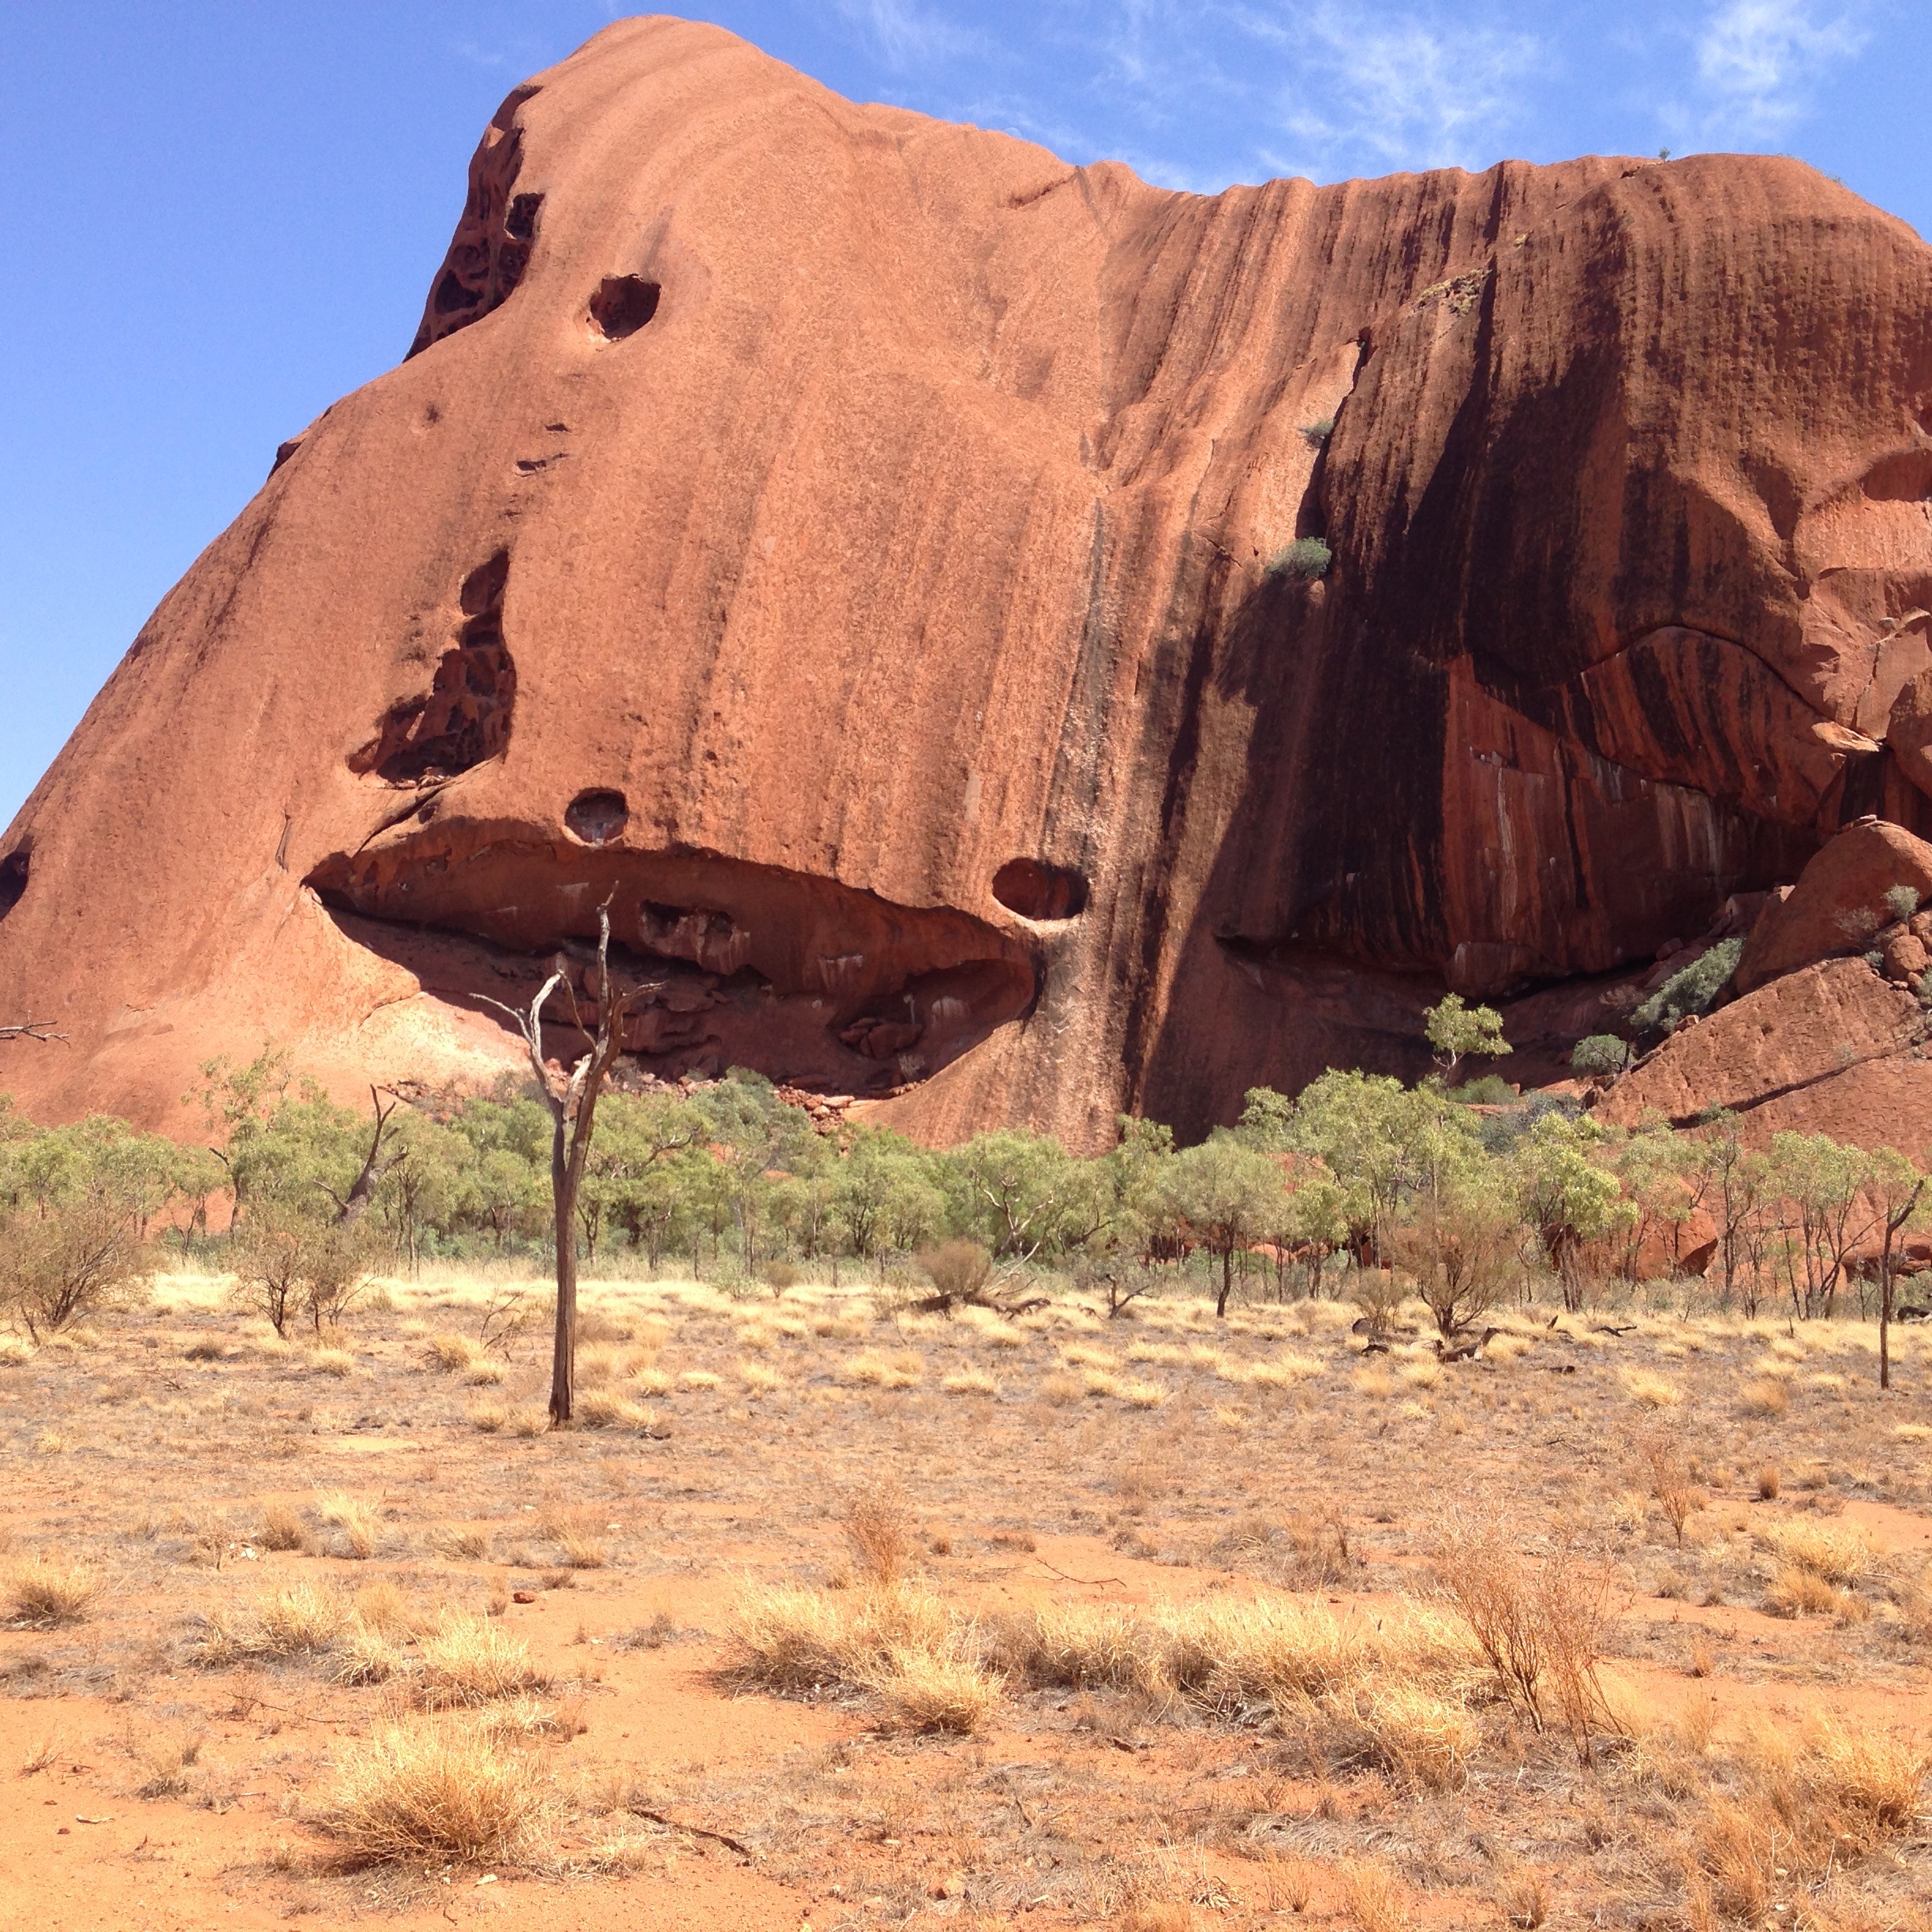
<point x="1036" y="890"/>
<point x="623" y="304"/>
<point x="596" y="817"/>
<point x="12" y="880"/>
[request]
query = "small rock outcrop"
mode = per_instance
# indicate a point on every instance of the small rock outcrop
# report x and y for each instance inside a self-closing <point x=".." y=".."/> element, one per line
<point x="1839" y="904"/>
<point x="889" y="595"/>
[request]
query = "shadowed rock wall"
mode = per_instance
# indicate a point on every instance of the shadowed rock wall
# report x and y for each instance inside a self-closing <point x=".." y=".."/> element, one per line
<point x="845" y="537"/>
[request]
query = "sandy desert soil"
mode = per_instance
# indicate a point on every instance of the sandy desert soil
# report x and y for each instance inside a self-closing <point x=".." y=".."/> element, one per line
<point x="1752" y="1752"/>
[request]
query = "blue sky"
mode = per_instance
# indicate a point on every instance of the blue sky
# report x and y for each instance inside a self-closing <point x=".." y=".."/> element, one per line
<point x="225" y="213"/>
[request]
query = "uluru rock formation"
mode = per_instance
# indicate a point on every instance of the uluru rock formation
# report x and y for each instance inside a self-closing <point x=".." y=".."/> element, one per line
<point x="849" y="543"/>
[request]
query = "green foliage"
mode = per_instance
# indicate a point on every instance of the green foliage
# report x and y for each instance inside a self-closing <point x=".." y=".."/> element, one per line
<point x="1316" y="433"/>
<point x="1455" y="1030"/>
<point x="1229" y="1195"/>
<point x="1305" y="559"/>
<point x="1602" y="1056"/>
<point x="1490" y="1090"/>
<point x="1902" y="902"/>
<point x="1690" y="991"/>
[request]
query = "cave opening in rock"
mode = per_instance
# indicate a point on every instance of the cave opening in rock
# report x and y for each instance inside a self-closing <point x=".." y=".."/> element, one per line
<point x="13" y="870"/>
<point x="596" y="817"/>
<point x="623" y="304"/>
<point x="1039" y="891"/>
<point x="464" y="715"/>
<point x="814" y="983"/>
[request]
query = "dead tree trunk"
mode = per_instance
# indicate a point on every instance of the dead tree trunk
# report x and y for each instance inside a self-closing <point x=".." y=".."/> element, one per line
<point x="1888" y="1279"/>
<point x="572" y="1101"/>
<point x="350" y="1207"/>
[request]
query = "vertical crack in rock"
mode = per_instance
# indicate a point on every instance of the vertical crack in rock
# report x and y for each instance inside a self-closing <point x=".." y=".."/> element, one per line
<point x="464" y="715"/>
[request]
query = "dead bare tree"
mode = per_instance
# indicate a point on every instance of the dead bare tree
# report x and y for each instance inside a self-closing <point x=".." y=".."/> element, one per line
<point x="33" y="1030"/>
<point x="572" y="1099"/>
<point x="375" y="1164"/>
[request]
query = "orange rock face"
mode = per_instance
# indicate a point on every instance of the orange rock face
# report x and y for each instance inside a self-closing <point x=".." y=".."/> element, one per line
<point x="842" y="542"/>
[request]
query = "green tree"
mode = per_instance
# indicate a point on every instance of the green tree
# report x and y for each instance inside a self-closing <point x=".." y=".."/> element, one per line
<point x="1023" y="1196"/>
<point x="1456" y="1030"/>
<point x="1566" y="1193"/>
<point x="1229" y="1196"/>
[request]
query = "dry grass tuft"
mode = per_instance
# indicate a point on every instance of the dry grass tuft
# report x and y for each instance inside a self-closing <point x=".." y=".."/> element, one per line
<point x="301" y="1620"/>
<point x="1373" y="1897"/>
<point x="925" y="1690"/>
<point x="605" y="1408"/>
<point x="468" y="1659"/>
<point x="355" y="1519"/>
<point x="1651" y="1390"/>
<point x="1838" y="1555"/>
<point x="16" y="1351"/>
<point x="282" y="1529"/>
<point x="435" y="1791"/>
<point x="50" y="1591"/>
<point x="1765" y="1395"/>
<point x="874" y="1368"/>
<point x="881" y="1530"/>
<point x="970" y="1382"/>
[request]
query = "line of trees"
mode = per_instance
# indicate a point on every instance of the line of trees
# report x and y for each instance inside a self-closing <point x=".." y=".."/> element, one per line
<point x="1358" y="1177"/>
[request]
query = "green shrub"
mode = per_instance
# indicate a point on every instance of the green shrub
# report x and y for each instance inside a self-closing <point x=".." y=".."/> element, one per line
<point x="1902" y="902"/>
<point x="1318" y="433"/>
<point x="1602" y="1056"/>
<point x="1307" y="557"/>
<point x="1690" y="991"/>
<point x="1491" y="1090"/>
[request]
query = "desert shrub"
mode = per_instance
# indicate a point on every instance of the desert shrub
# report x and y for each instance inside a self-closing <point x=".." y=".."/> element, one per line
<point x="958" y="1270"/>
<point x="780" y="1276"/>
<point x="1602" y="1056"/>
<point x="1305" y="560"/>
<point x="1669" y="1472"/>
<point x="1902" y="901"/>
<point x="1317" y="432"/>
<point x="288" y="1265"/>
<point x="80" y="1257"/>
<point x="1378" y="1294"/>
<point x="435" y="1791"/>
<point x="880" y="1530"/>
<point x="1490" y="1090"/>
<point x="1541" y="1632"/>
<point x="1691" y="991"/>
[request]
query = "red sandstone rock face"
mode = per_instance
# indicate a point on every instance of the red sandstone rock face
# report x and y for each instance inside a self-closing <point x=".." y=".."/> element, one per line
<point x="1788" y="1054"/>
<point x="843" y="538"/>
<point x="1838" y="903"/>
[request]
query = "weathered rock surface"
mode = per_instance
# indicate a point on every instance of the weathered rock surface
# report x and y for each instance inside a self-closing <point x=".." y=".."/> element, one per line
<point x="844" y="539"/>
<point x="1838" y="905"/>
<point x="1829" y="1049"/>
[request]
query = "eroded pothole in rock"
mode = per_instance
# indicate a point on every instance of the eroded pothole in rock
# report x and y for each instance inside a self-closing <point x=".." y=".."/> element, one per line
<point x="465" y="715"/>
<point x="813" y="983"/>
<point x="596" y="817"/>
<point x="623" y="304"/>
<point x="13" y="870"/>
<point x="1039" y="891"/>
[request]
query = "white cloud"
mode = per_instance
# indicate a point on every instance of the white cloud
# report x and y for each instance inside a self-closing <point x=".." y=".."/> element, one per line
<point x="905" y="34"/>
<point x="1757" y="61"/>
<point x="1371" y="92"/>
